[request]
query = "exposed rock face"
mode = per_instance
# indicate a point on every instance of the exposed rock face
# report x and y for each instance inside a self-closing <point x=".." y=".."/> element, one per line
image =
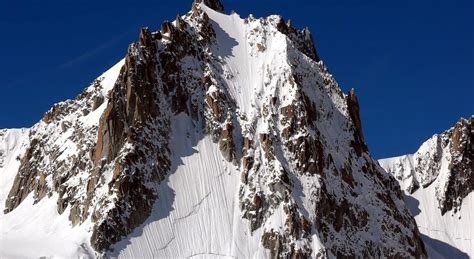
<point x="297" y="142"/>
<point x="133" y="116"/>
<point x="216" y="5"/>
<point x="303" y="40"/>
<point x="353" y="107"/>
<point x="461" y="179"/>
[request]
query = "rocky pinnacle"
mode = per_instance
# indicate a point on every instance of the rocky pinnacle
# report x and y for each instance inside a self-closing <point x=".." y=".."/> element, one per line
<point x="216" y="5"/>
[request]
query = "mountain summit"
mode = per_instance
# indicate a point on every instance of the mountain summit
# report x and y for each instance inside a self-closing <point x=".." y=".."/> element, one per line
<point x="215" y="5"/>
<point x="214" y="136"/>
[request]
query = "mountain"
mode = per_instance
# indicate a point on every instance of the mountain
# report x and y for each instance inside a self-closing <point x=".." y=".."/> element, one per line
<point x="439" y="183"/>
<point x="215" y="136"/>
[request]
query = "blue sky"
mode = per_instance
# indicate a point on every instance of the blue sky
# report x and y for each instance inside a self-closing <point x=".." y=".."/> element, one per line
<point x="411" y="62"/>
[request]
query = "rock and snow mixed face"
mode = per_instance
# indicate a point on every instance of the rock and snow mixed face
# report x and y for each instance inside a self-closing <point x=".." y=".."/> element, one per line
<point x="215" y="136"/>
<point x="439" y="182"/>
<point x="45" y="166"/>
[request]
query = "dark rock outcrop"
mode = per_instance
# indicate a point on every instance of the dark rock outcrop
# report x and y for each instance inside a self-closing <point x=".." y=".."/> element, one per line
<point x="461" y="178"/>
<point x="45" y="167"/>
<point x="302" y="39"/>
<point x="132" y="111"/>
<point x="354" y="112"/>
<point x="213" y="4"/>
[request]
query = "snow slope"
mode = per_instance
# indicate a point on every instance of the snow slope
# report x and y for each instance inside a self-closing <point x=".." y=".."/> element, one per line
<point x="244" y="66"/>
<point x="37" y="230"/>
<point x="31" y="231"/>
<point x="201" y="197"/>
<point x="455" y="230"/>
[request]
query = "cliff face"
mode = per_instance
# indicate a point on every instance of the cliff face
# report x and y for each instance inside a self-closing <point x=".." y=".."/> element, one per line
<point x="306" y="185"/>
<point x="461" y="179"/>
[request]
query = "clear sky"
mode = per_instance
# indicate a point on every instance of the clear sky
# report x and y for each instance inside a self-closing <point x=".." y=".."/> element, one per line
<point x="411" y="62"/>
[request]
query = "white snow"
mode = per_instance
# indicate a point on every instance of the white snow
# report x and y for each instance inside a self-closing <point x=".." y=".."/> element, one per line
<point x="445" y="235"/>
<point x="196" y="214"/>
<point x="38" y="230"/>
<point x="107" y="81"/>
<point x="33" y="230"/>
<point x="245" y="66"/>
<point x="454" y="229"/>
<point x="231" y="47"/>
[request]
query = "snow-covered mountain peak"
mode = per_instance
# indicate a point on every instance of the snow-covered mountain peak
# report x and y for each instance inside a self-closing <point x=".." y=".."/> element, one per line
<point x="216" y="135"/>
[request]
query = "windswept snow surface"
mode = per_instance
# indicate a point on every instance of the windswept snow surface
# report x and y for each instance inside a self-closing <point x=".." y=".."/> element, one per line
<point x="446" y="236"/>
<point x="35" y="230"/>
<point x="449" y="235"/>
<point x="196" y="214"/>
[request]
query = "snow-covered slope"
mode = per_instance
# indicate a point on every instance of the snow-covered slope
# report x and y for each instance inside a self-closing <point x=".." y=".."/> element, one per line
<point x="198" y="213"/>
<point x="216" y="136"/>
<point x="442" y="163"/>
